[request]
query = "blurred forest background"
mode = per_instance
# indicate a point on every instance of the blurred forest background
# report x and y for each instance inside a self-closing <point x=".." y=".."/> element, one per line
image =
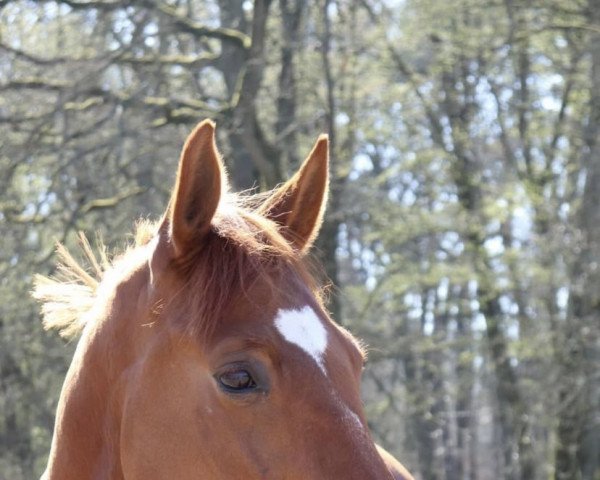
<point x="463" y="232"/>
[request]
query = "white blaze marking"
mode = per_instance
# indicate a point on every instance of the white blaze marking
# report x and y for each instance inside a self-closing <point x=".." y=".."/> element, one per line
<point x="304" y="329"/>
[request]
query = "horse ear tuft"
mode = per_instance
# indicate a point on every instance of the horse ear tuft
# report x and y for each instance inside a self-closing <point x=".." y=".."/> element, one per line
<point x="299" y="204"/>
<point x="197" y="190"/>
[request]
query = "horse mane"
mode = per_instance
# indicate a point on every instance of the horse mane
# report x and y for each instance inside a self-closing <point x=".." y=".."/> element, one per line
<point x="242" y="246"/>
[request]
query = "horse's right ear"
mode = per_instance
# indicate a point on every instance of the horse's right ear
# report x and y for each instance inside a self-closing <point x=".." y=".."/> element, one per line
<point x="298" y="205"/>
<point x="197" y="190"/>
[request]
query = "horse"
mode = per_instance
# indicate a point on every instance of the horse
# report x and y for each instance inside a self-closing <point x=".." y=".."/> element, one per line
<point x="205" y="350"/>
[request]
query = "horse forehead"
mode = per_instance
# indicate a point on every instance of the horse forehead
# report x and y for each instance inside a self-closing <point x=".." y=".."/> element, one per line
<point x="303" y="327"/>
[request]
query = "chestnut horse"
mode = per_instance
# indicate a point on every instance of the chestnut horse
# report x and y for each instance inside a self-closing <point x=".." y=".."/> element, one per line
<point x="205" y="350"/>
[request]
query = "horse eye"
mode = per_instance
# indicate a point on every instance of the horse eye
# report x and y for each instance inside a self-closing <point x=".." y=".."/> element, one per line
<point x="237" y="380"/>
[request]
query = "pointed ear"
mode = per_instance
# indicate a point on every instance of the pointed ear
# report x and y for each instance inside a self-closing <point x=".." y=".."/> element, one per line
<point x="298" y="205"/>
<point x="197" y="191"/>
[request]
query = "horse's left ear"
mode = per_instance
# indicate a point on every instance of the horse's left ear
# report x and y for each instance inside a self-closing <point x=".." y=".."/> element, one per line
<point x="298" y="205"/>
<point x="197" y="191"/>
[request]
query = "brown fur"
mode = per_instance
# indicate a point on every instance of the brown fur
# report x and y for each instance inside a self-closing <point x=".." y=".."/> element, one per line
<point x="246" y="244"/>
<point x="194" y="297"/>
<point x="249" y="248"/>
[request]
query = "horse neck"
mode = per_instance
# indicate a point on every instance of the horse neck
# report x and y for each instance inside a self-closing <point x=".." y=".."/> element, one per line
<point x="86" y="435"/>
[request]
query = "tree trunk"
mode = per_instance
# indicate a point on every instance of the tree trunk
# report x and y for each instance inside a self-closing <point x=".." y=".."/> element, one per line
<point x="578" y="449"/>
